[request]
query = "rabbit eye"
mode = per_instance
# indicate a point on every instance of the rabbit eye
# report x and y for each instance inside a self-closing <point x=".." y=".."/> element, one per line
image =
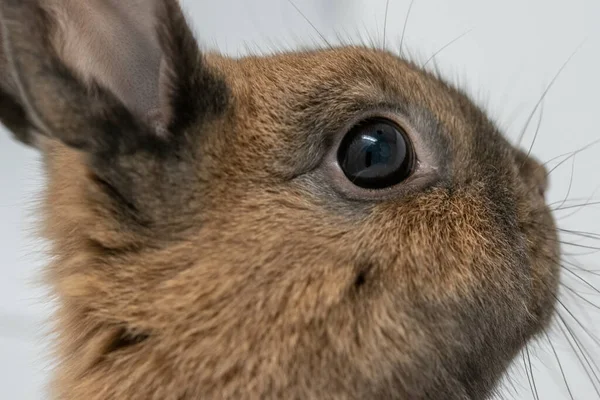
<point x="376" y="154"/>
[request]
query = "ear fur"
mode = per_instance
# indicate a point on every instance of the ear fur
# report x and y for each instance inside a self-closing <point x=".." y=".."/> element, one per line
<point x="126" y="101"/>
<point x="12" y="112"/>
<point x="103" y="76"/>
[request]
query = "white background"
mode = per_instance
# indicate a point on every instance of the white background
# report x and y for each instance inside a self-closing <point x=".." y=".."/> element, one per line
<point x="510" y="55"/>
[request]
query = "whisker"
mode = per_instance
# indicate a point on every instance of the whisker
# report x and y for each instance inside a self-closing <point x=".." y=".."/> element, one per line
<point x="579" y="267"/>
<point x="571" y="242"/>
<point x="572" y="300"/>
<point x="583" y="254"/>
<point x="570" y="183"/>
<point x="536" y="395"/>
<point x="509" y="380"/>
<point x="581" y="235"/>
<point x="527" y="373"/>
<point x="576" y="238"/>
<point x="588" y="202"/>
<point x="570" y="155"/>
<point x="591" y="335"/>
<point x="587" y="356"/>
<point x="552" y="82"/>
<point x="385" y="20"/>
<point x="573" y="200"/>
<point x="594" y="203"/>
<point x="446" y="46"/>
<point x="581" y="246"/>
<point x="574" y="292"/>
<point x="537" y="130"/>
<point x="580" y="353"/>
<point x="559" y="365"/>
<point x="590" y="235"/>
<point x="310" y="23"/>
<point x="581" y="279"/>
<point x="582" y="350"/>
<point x="405" y="23"/>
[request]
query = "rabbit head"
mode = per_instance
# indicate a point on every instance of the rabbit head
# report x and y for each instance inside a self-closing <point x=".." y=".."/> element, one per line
<point x="332" y="223"/>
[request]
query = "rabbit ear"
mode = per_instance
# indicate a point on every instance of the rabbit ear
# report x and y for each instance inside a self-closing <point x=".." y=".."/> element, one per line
<point x="12" y="112"/>
<point x="102" y="75"/>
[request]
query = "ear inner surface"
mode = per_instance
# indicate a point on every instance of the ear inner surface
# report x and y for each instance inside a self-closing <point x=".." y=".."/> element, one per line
<point x="113" y="43"/>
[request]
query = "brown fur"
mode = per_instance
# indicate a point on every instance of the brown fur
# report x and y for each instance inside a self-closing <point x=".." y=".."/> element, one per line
<point x="228" y="260"/>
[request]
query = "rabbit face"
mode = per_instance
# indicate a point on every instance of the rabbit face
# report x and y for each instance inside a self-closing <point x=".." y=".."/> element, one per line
<point x="431" y="284"/>
<point x="334" y="223"/>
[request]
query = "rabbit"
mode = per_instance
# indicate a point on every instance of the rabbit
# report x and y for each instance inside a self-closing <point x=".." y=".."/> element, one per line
<point x="328" y="223"/>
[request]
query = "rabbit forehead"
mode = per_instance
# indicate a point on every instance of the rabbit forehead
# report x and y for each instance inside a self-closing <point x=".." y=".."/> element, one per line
<point x="298" y="100"/>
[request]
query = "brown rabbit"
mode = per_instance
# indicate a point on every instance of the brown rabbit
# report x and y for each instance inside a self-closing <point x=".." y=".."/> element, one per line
<point x="333" y="223"/>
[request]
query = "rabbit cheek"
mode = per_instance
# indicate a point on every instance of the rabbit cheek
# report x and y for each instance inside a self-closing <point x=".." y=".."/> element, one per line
<point x="447" y="276"/>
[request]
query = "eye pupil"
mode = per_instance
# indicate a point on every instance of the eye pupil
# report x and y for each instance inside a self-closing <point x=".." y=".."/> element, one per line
<point x="375" y="154"/>
<point x="369" y="161"/>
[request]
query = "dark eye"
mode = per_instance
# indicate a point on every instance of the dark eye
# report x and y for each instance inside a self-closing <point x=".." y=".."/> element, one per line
<point x="376" y="154"/>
